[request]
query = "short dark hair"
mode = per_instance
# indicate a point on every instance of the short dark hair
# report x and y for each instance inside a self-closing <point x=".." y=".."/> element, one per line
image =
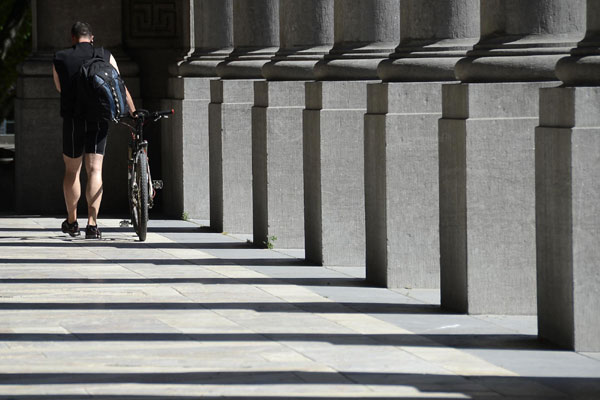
<point x="81" y="29"/>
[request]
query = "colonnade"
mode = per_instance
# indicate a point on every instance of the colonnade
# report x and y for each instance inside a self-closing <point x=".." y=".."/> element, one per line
<point x="441" y="143"/>
<point x="408" y="135"/>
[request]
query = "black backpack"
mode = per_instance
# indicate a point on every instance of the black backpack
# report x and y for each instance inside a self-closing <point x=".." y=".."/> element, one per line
<point x="101" y="94"/>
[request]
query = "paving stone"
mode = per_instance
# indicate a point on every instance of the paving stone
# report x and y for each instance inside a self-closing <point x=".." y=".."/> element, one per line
<point x="191" y="313"/>
<point x="595" y="356"/>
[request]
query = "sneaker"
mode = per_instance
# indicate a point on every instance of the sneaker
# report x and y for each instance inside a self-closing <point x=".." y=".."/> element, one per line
<point x="71" y="229"/>
<point x="92" y="232"/>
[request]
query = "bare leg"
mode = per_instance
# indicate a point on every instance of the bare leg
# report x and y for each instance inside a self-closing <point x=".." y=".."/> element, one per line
<point x="93" y="193"/>
<point x="72" y="186"/>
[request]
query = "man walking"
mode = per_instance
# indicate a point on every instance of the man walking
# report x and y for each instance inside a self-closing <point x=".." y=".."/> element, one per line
<point x="81" y="136"/>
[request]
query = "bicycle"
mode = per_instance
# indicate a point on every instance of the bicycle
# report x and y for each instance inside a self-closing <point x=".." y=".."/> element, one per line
<point x="141" y="189"/>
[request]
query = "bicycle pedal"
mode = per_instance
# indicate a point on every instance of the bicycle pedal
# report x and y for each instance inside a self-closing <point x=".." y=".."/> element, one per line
<point x="158" y="184"/>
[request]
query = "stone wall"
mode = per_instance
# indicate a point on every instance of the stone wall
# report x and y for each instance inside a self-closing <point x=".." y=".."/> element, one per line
<point x="38" y="159"/>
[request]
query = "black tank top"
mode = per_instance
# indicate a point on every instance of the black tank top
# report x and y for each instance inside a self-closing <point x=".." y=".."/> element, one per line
<point x="67" y="63"/>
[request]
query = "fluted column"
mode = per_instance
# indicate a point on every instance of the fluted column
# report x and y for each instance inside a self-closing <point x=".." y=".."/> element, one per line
<point x="255" y="39"/>
<point x="365" y="33"/>
<point x="306" y="35"/>
<point x="568" y="197"/>
<point x="38" y="162"/>
<point x="185" y="135"/>
<point x="487" y="171"/>
<point x="401" y="141"/>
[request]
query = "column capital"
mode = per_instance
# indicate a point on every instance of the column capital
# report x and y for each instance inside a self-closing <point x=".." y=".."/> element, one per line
<point x="522" y="40"/>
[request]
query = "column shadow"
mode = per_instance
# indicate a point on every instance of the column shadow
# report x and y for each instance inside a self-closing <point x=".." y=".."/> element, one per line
<point x="448" y="386"/>
<point x="265" y="307"/>
<point x="273" y="262"/>
<point x="458" y="341"/>
<point x="334" y="282"/>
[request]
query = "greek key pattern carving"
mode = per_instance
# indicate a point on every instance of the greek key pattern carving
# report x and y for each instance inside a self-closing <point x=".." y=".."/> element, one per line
<point x="153" y="19"/>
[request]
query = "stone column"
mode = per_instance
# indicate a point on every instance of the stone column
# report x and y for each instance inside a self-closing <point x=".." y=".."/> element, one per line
<point x="158" y="34"/>
<point x="487" y="171"/>
<point x="306" y="35"/>
<point x="256" y="39"/>
<point x="401" y="141"/>
<point x="568" y="198"/>
<point x="38" y="161"/>
<point x="365" y="32"/>
<point x="185" y="135"/>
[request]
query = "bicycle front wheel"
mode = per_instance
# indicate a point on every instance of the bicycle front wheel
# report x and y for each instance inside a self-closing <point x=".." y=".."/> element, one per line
<point x="140" y="196"/>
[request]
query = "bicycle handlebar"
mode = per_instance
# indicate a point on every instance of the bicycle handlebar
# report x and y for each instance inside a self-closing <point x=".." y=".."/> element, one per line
<point x="163" y="113"/>
<point x="154" y="115"/>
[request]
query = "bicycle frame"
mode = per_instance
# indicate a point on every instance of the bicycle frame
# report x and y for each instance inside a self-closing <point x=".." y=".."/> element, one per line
<point x="141" y="189"/>
<point x="137" y="144"/>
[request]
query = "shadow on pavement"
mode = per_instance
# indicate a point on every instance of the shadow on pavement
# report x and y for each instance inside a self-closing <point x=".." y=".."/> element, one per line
<point x="203" y="397"/>
<point x="274" y="262"/>
<point x="275" y="307"/>
<point x="460" y="341"/>
<point x="444" y="385"/>
<point x="130" y="245"/>
<point x="335" y="282"/>
<point x="156" y="229"/>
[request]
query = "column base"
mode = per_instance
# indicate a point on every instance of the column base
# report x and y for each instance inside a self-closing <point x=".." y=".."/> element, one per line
<point x="401" y="184"/>
<point x="334" y="172"/>
<point x="487" y="197"/>
<point x="230" y="155"/>
<point x="278" y="193"/>
<point x="39" y="167"/>
<point x="568" y="217"/>
<point x="185" y="149"/>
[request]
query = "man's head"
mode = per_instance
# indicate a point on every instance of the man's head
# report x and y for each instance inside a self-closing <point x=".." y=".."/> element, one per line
<point x="81" y="32"/>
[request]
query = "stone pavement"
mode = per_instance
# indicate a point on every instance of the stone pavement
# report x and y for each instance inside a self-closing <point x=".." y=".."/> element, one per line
<point x="192" y="314"/>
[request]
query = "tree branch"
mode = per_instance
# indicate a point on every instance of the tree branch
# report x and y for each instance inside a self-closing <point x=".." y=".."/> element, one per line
<point x="13" y="24"/>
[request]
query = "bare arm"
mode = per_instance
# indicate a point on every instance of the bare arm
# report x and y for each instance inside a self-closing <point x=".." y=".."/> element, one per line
<point x="56" y="80"/>
<point x="113" y="62"/>
<point x="129" y="99"/>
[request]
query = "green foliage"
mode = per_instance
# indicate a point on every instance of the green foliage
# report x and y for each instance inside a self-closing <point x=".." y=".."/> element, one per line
<point x="270" y="242"/>
<point x="15" y="50"/>
<point x="185" y="216"/>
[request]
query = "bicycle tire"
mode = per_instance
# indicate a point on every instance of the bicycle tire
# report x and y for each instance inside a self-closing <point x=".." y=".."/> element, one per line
<point x="131" y="196"/>
<point x="141" y="180"/>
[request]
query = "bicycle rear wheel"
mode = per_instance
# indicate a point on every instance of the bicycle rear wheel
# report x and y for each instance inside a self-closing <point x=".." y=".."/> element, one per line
<point x="132" y="196"/>
<point x="139" y="196"/>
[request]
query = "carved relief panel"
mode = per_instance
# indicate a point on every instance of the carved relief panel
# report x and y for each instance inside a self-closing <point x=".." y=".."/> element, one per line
<point x="157" y="23"/>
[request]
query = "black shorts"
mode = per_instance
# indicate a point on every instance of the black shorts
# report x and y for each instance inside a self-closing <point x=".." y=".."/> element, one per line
<point x="80" y="135"/>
